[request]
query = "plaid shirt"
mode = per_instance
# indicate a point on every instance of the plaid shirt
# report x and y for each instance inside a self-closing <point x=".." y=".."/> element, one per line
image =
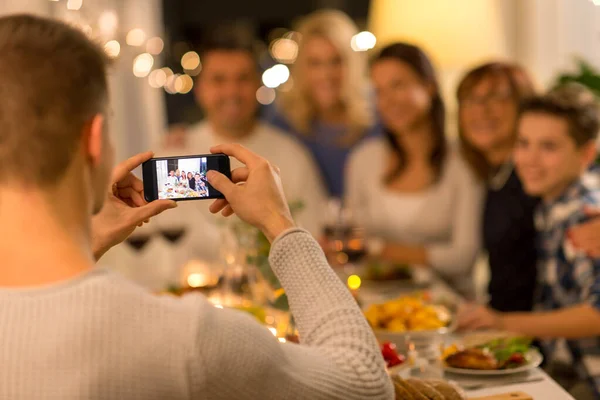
<point x="568" y="277"/>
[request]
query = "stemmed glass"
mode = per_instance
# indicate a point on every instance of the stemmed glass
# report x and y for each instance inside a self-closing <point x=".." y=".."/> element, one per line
<point x="172" y="227"/>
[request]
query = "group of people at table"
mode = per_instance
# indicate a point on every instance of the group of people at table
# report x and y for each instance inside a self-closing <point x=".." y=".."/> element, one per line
<point x="513" y="186"/>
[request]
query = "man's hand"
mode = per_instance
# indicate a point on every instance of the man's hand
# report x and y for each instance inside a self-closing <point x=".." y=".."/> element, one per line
<point x="255" y="195"/>
<point x="473" y="317"/>
<point x="124" y="207"/>
<point x="586" y="237"/>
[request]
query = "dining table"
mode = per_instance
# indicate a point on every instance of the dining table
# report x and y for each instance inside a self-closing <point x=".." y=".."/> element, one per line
<point x="536" y="382"/>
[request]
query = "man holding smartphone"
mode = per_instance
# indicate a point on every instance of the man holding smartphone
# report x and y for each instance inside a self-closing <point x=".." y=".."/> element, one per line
<point x="225" y="90"/>
<point x="73" y="331"/>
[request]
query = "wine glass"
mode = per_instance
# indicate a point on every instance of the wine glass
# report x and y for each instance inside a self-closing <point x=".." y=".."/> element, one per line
<point x="172" y="227"/>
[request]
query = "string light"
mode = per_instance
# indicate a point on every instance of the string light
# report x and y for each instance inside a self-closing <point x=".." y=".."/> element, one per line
<point x="265" y="95"/>
<point x="108" y="22"/>
<point x="142" y="65"/>
<point x="284" y="50"/>
<point x="190" y="61"/>
<point x="74" y="5"/>
<point x="363" y="41"/>
<point x="157" y="79"/>
<point x="112" y="48"/>
<point x="275" y="76"/>
<point x="170" y="85"/>
<point x="155" y="45"/>
<point x="183" y="84"/>
<point x="135" y="37"/>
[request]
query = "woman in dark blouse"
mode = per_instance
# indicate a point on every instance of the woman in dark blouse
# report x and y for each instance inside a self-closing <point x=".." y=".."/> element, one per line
<point x="489" y="98"/>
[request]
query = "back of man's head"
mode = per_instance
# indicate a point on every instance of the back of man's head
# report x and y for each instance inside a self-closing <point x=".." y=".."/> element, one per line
<point x="52" y="82"/>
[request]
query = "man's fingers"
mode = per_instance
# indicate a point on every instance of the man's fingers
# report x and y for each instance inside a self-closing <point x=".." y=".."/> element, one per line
<point x="129" y="193"/>
<point x="217" y="205"/>
<point x="131" y="180"/>
<point x="120" y="172"/>
<point x="591" y="211"/>
<point x="227" y="211"/>
<point x="237" y="151"/>
<point x="152" y="209"/>
<point x="240" y="174"/>
<point x="221" y="183"/>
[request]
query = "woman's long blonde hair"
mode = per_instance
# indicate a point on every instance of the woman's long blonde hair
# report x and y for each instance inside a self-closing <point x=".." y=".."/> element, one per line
<point x="296" y="105"/>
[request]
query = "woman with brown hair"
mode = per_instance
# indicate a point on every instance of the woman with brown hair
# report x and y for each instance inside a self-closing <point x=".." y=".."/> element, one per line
<point x="409" y="189"/>
<point x="489" y="97"/>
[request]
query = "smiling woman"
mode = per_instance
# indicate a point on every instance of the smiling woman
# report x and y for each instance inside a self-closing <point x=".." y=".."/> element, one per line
<point x="327" y="108"/>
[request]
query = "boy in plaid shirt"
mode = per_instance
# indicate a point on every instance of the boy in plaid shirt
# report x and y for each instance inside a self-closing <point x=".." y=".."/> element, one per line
<point x="555" y="146"/>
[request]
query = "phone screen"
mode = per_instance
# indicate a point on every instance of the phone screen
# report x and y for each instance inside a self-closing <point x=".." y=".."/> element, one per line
<point x="183" y="178"/>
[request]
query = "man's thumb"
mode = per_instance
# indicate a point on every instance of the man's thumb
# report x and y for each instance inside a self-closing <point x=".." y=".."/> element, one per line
<point x="221" y="183"/>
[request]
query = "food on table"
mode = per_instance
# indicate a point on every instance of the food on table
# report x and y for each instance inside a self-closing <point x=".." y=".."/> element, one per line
<point x="473" y="358"/>
<point x="501" y="353"/>
<point x="391" y="356"/>
<point x="408" y="313"/>
<point x="426" y="389"/>
<point x="379" y="270"/>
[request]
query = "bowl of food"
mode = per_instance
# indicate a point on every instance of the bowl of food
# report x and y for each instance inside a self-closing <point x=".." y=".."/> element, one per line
<point x="412" y="323"/>
<point x="501" y="356"/>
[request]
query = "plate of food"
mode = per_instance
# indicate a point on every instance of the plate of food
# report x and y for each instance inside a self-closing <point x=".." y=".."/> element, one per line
<point x="501" y="356"/>
<point x="414" y="315"/>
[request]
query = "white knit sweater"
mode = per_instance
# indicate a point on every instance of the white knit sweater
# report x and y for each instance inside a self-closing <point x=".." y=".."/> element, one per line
<point x="100" y="337"/>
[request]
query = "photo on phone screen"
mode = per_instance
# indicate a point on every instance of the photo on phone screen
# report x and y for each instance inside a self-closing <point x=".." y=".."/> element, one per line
<point x="183" y="178"/>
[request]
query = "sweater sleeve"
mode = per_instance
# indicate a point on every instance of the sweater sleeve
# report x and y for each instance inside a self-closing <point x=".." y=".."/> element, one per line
<point x="237" y="358"/>
<point x="458" y="255"/>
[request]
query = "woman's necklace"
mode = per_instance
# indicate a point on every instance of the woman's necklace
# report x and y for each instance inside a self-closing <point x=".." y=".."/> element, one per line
<point x="499" y="179"/>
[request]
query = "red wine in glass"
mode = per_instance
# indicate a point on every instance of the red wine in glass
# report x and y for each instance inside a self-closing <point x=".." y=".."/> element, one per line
<point x="138" y="242"/>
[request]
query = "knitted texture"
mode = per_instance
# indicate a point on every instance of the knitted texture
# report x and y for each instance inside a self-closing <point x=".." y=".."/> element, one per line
<point x="100" y="337"/>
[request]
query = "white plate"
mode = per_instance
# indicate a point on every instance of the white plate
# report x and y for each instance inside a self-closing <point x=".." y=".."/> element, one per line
<point x="533" y="356"/>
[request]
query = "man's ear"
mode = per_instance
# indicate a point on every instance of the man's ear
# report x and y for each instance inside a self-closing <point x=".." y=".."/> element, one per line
<point x="94" y="139"/>
<point x="589" y="152"/>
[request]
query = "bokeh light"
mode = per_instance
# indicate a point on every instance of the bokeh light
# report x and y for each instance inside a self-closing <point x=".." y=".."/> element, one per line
<point x="157" y="78"/>
<point x="354" y="282"/>
<point x="363" y="41"/>
<point x="112" y="48"/>
<point x="183" y="84"/>
<point x="108" y="22"/>
<point x="284" y="50"/>
<point x="74" y="5"/>
<point x="135" y="37"/>
<point x="275" y="76"/>
<point x="142" y="65"/>
<point x="190" y="60"/>
<point x="155" y="45"/>
<point x="170" y="85"/>
<point x="265" y="95"/>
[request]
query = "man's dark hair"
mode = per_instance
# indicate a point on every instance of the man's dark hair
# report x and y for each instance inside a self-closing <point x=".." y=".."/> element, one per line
<point x="228" y="37"/>
<point x="573" y="102"/>
<point x="52" y="82"/>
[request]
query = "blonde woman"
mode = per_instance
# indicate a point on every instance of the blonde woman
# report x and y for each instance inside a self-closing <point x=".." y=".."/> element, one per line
<point x="327" y="108"/>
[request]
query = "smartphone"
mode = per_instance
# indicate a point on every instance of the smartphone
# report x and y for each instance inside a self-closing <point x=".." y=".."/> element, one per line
<point x="184" y="177"/>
